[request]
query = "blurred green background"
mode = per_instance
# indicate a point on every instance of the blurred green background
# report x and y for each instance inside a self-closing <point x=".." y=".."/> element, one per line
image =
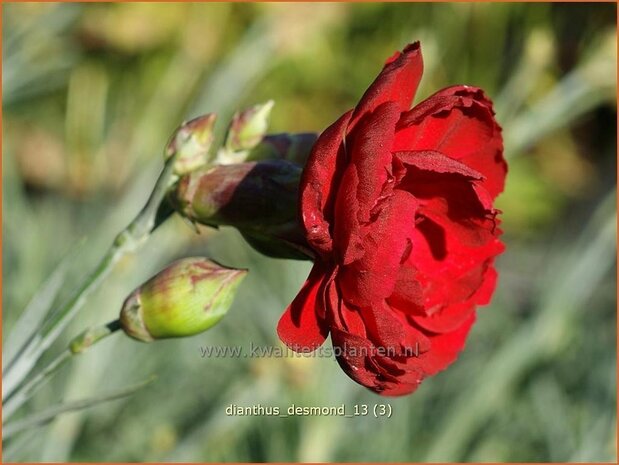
<point x="92" y="92"/>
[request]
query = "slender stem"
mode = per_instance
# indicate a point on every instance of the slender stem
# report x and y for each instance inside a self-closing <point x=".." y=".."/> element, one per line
<point x="133" y="236"/>
<point x="127" y="241"/>
<point x="77" y="345"/>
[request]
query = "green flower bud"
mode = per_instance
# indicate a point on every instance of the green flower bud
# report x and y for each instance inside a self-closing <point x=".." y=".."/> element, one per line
<point x="186" y="298"/>
<point x="191" y="143"/>
<point x="246" y="130"/>
<point x="258" y="198"/>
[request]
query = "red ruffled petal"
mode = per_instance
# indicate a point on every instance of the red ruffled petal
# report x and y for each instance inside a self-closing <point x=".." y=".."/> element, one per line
<point x="361" y="360"/>
<point x="430" y="160"/>
<point x="458" y="122"/>
<point x="352" y="355"/>
<point x="448" y="271"/>
<point x="399" y="388"/>
<point x="365" y="179"/>
<point x="445" y="348"/>
<point x="319" y="184"/>
<point x="340" y="314"/>
<point x="397" y="82"/>
<point x="372" y="278"/>
<point x="389" y="329"/>
<point x="408" y="293"/>
<point x="301" y="327"/>
<point x="454" y="239"/>
<point x="450" y="317"/>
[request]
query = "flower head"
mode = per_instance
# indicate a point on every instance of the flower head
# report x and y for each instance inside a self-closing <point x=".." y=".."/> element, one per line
<point x="397" y="205"/>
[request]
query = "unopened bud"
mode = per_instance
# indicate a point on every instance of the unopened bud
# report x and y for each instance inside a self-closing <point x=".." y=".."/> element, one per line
<point x="248" y="127"/>
<point x="243" y="194"/>
<point x="258" y="198"/>
<point x="186" y="298"/>
<point x="191" y="143"/>
<point x="292" y="147"/>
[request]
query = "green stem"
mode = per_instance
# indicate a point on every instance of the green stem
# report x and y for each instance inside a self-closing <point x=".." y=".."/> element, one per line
<point x="77" y="345"/>
<point x="127" y="241"/>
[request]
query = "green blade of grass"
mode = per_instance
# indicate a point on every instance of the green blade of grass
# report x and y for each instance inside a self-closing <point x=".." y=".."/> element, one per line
<point x="42" y="418"/>
<point x="30" y="320"/>
<point x="582" y="90"/>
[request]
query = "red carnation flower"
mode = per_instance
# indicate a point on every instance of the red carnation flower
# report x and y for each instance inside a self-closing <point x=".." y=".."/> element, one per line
<point x="397" y="205"/>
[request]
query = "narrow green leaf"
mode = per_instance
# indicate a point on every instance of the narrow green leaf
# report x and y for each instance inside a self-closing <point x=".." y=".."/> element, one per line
<point x="587" y="87"/>
<point x="45" y="416"/>
<point x="17" y="398"/>
<point x="35" y="312"/>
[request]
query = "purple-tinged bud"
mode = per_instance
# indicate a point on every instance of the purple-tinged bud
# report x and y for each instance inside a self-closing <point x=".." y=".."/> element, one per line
<point x="191" y="143"/>
<point x="186" y="298"/>
<point x="258" y="198"/>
